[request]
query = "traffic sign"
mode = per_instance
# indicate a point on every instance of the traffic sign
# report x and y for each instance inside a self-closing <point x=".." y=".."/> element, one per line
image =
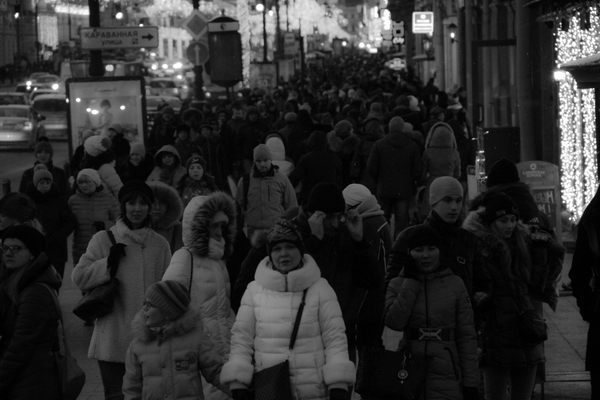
<point x="196" y="25"/>
<point x="119" y="37"/>
<point x="422" y="22"/>
<point x="197" y="53"/>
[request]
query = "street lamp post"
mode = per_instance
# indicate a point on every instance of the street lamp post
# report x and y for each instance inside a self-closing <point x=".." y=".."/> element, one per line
<point x="17" y="22"/>
<point x="265" y="39"/>
<point x="96" y="66"/>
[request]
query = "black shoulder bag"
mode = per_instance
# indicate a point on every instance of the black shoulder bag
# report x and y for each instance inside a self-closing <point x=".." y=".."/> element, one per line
<point x="100" y="300"/>
<point x="273" y="383"/>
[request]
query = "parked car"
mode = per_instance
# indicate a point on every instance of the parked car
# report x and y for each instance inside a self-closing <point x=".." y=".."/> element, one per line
<point x="163" y="87"/>
<point x="33" y="77"/>
<point x="27" y="87"/>
<point x="20" y="126"/>
<point x="54" y="108"/>
<point x="38" y="92"/>
<point x="49" y="82"/>
<point x="8" y="98"/>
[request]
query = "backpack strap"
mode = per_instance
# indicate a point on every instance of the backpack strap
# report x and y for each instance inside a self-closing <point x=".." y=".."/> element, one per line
<point x="111" y="236"/>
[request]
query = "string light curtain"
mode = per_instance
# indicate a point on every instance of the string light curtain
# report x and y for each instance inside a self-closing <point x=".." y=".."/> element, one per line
<point x="48" y="30"/>
<point x="577" y="117"/>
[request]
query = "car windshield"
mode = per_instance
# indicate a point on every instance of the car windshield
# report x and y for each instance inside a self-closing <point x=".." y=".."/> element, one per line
<point x="162" y="84"/>
<point x="50" y="105"/>
<point x="11" y="99"/>
<point x="47" y="79"/>
<point x="14" y="112"/>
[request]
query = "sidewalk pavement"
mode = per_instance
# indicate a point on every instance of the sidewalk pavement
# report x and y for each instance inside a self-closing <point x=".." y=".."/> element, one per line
<point x="565" y="348"/>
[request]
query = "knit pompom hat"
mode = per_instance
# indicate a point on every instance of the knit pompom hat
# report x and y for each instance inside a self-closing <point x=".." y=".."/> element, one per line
<point x="43" y="145"/>
<point x="326" y="197"/>
<point x="284" y="231"/>
<point x="502" y="172"/>
<point x="262" y="152"/>
<point x="499" y="205"/>
<point x="170" y="297"/>
<point x="442" y="187"/>
<point x="92" y="174"/>
<point x="96" y="145"/>
<point x="422" y="235"/>
<point x="41" y="172"/>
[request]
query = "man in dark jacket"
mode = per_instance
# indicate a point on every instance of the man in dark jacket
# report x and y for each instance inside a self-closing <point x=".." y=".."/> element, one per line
<point x="461" y="249"/>
<point x="342" y="253"/>
<point x="247" y="138"/>
<point x="395" y="165"/>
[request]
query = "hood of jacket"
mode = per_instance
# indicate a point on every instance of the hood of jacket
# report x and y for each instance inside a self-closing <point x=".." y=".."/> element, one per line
<point x="39" y="271"/>
<point x="342" y="145"/>
<point x="277" y="148"/>
<point x="398" y="139"/>
<point x="519" y="192"/>
<point x="196" y="222"/>
<point x="168" y="195"/>
<point x="295" y="281"/>
<point x="493" y="245"/>
<point x="182" y="325"/>
<point x="167" y="149"/>
<point x="441" y="135"/>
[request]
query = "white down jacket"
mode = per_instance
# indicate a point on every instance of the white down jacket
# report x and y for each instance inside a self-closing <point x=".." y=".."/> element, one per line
<point x="263" y="327"/>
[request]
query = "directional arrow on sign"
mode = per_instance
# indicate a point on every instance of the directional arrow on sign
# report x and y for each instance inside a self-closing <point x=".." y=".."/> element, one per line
<point x="197" y="52"/>
<point x="148" y="37"/>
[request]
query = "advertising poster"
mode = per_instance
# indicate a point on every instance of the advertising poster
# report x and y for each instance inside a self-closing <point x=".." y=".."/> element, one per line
<point x="97" y="103"/>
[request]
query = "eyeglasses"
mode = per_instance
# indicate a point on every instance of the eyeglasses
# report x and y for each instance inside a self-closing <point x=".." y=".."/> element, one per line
<point x="12" y="249"/>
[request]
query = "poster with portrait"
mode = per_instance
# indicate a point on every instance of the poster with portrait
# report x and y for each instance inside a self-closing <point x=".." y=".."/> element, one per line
<point x="97" y="103"/>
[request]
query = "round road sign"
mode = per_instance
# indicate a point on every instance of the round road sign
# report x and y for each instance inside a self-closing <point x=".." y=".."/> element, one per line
<point x="197" y="53"/>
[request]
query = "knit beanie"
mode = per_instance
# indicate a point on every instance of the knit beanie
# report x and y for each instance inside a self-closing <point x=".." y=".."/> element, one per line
<point x="136" y="186"/>
<point x="326" y="197"/>
<point x="396" y="125"/>
<point x="343" y="128"/>
<point x="18" y="206"/>
<point x="117" y="128"/>
<point x="195" y="159"/>
<point x="43" y="145"/>
<point x="498" y="206"/>
<point x="92" y="174"/>
<point x="284" y="231"/>
<point x="41" y="173"/>
<point x="376" y="108"/>
<point x="290" y="117"/>
<point x="503" y="171"/>
<point x="96" y="145"/>
<point x="442" y="187"/>
<point x="422" y="235"/>
<point x="138" y="148"/>
<point x="33" y="239"/>
<point x="435" y="111"/>
<point x="262" y="152"/>
<point x="355" y="193"/>
<point x="170" y="297"/>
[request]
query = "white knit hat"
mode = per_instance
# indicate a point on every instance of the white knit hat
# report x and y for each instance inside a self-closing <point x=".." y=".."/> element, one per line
<point x="96" y="145"/>
<point x="355" y="193"/>
<point x="92" y="174"/>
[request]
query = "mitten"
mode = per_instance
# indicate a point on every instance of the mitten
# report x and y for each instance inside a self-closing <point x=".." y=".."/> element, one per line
<point x="99" y="226"/>
<point x="470" y="393"/>
<point x="240" y="394"/>
<point x="337" y="394"/>
<point x="116" y="252"/>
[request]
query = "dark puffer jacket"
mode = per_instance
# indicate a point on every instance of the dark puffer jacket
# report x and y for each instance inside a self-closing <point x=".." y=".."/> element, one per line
<point x="502" y="343"/>
<point x="28" y="323"/>
<point x="58" y="222"/>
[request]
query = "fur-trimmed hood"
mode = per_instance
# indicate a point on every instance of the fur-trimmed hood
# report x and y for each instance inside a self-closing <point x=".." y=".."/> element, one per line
<point x="493" y="245"/>
<point x="519" y="192"/>
<point x="295" y="281"/>
<point x="441" y="135"/>
<point x="168" y="195"/>
<point x="196" y="222"/>
<point x="345" y="145"/>
<point x="184" y="324"/>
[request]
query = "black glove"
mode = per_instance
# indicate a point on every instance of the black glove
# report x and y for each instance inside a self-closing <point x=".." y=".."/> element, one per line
<point x="337" y="394"/>
<point x="470" y="393"/>
<point x="410" y="270"/>
<point x="116" y="252"/>
<point x="240" y="394"/>
<point x="99" y="226"/>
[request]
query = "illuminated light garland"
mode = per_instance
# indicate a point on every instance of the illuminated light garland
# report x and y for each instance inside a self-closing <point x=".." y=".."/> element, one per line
<point x="577" y="118"/>
<point x="243" y="14"/>
<point x="48" y="30"/>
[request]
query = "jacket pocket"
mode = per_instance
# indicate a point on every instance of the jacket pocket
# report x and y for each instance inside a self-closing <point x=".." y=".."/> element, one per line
<point x="456" y="368"/>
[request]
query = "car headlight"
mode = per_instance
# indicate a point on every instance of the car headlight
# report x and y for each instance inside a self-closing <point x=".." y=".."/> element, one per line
<point x="207" y="94"/>
<point x="27" y="126"/>
<point x="28" y="83"/>
<point x="55" y="86"/>
<point x="177" y="65"/>
<point x="154" y="66"/>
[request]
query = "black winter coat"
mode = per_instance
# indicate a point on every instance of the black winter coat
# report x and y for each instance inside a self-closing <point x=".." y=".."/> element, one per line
<point x="28" y="326"/>
<point x="315" y="167"/>
<point x="58" y="221"/>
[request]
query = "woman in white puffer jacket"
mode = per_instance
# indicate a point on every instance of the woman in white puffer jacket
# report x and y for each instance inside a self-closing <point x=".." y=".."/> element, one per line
<point x="208" y="232"/>
<point x="319" y="363"/>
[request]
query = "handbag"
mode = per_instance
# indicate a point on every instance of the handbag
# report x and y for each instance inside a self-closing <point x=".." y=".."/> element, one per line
<point x="100" y="300"/>
<point x="532" y="326"/>
<point x="71" y="377"/>
<point x="273" y="383"/>
<point x="383" y="373"/>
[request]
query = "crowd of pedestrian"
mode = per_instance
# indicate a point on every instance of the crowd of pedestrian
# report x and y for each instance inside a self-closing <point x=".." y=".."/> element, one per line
<point x="337" y="199"/>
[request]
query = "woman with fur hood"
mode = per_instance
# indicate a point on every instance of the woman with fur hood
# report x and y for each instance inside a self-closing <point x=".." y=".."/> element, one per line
<point x="522" y="278"/>
<point x="319" y="363"/>
<point x="168" y="166"/>
<point x="100" y="157"/>
<point x="169" y="349"/>
<point x="165" y="213"/>
<point x="440" y="158"/>
<point x="209" y="227"/>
